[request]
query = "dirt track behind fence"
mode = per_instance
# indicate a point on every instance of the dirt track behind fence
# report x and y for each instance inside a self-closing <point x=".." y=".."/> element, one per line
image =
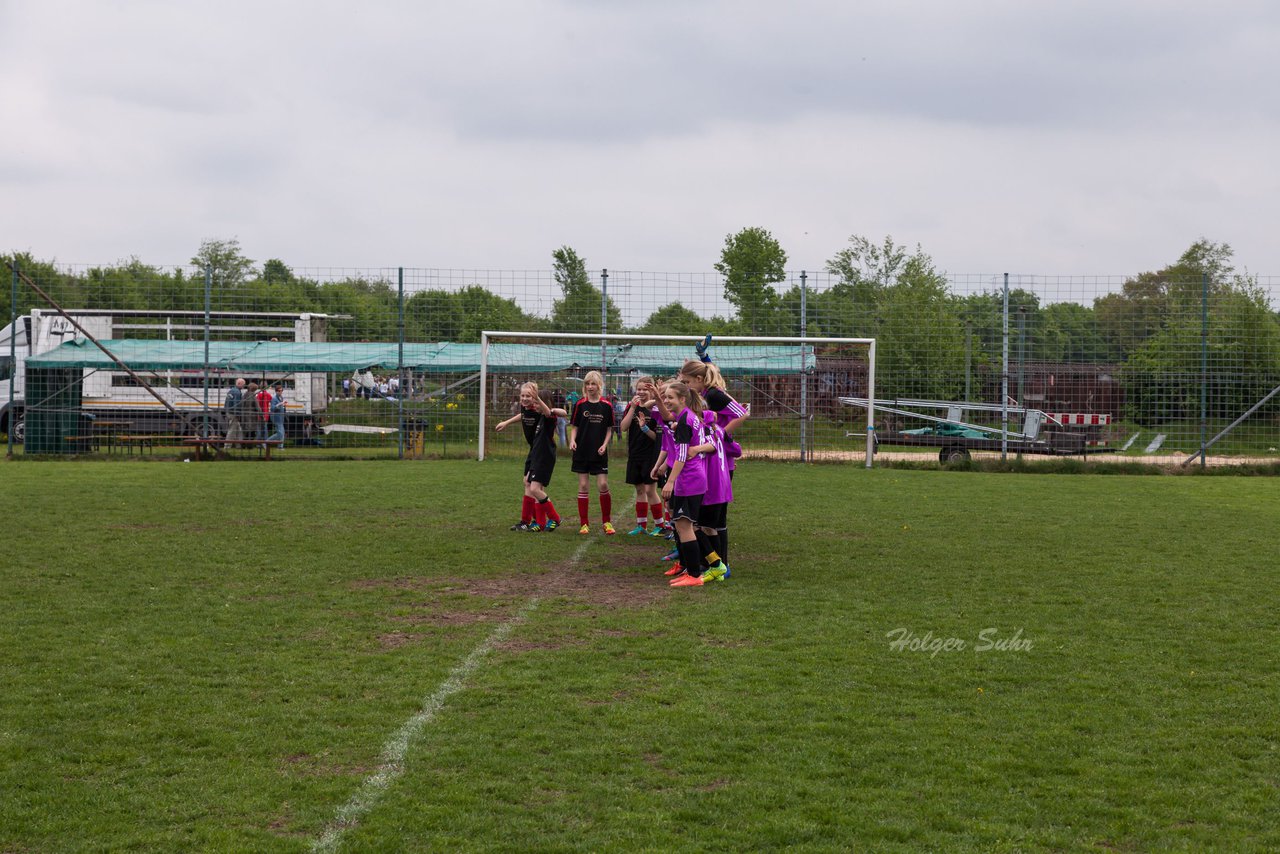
<point x="1158" y="460"/>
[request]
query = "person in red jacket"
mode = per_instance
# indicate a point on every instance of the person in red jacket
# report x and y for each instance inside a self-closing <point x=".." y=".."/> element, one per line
<point x="264" y="406"/>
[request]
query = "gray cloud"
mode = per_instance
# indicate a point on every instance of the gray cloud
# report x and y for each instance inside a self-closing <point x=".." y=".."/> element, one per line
<point x="1082" y="137"/>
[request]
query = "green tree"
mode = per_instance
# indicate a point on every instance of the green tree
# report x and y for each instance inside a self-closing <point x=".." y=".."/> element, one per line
<point x="371" y="304"/>
<point x="752" y="261"/>
<point x="1162" y="373"/>
<point x="1069" y="332"/>
<point x="432" y="315"/>
<point x="230" y="267"/>
<point x="274" y="271"/>
<point x="62" y="287"/>
<point x="674" y="319"/>
<point x="1148" y="301"/>
<point x="578" y="310"/>
<point x="896" y="296"/>
<point x="866" y="269"/>
<point x="479" y="309"/>
<point x="983" y="315"/>
<point x="919" y="335"/>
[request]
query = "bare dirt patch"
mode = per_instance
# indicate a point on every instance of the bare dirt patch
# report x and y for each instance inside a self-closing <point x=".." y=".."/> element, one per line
<point x="395" y="640"/>
<point x="518" y="646"/>
<point x="443" y="618"/>
<point x="602" y="588"/>
<point x="309" y="765"/>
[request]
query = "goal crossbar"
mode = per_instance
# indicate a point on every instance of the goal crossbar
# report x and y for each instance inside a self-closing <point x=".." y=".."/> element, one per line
<point x="620" y="339"/>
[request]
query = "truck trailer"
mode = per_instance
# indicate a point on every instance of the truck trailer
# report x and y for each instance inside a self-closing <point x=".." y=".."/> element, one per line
<point x="116" y="397"/>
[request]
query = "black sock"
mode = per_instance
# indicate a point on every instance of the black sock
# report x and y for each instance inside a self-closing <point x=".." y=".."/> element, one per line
<point x="722" y="546"/>
<point x="691" y="557"/>
<point x="705" y="546"/>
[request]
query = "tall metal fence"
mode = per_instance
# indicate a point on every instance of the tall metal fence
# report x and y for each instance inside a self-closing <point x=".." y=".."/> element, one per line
<point x="1150" y="367"/>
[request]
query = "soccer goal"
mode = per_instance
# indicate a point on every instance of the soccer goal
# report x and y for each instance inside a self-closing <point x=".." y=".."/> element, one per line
<point x="791" y="386"/>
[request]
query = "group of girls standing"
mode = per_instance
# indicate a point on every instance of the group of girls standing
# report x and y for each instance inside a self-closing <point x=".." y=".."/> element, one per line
<point x="680" y="459"/>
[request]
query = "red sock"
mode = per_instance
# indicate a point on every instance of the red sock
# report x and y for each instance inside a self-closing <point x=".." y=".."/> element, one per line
<point x="606" y="506"/>
<point x="642" y="513"/>
<point x="551" y="511"/>
<point x="540" y="513"/>
<point x="526" y="509"/>
<point x="583" y="501"/>
<point x="656" y="510"/>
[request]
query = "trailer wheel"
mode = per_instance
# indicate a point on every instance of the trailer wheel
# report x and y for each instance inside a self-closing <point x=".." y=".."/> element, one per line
<point x="953" y="454"/>
<point x="20" y="428"/>
<point x="194" y="425"/>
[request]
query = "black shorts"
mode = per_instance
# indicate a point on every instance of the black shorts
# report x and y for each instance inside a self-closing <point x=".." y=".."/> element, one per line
<point x="713" y="515"/>
<point x="539" y="469"/>
<point x="591" y="465"/>
<point x="686" y="507"/>
<point x="640" y="469"/>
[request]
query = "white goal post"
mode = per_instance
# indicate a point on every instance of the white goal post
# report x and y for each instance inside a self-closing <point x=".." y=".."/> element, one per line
<point x="620" y="352"/>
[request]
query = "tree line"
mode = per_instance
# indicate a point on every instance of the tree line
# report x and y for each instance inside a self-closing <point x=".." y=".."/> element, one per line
<point x="1150" y="331"/>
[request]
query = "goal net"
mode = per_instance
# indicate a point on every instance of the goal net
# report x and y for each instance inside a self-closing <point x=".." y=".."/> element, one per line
<point x="791" y="386"/>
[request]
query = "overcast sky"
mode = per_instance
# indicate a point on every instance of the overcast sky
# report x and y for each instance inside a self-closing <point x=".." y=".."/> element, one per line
<point x="1057" y="138"/>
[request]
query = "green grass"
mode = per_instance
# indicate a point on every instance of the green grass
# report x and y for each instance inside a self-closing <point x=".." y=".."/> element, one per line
<point x="213" y="656"/>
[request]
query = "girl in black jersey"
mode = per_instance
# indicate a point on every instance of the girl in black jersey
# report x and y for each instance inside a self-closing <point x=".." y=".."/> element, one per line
<point x="643" y="445"/>
<point x="538" y="419"/>
<point x="592" y="425"/>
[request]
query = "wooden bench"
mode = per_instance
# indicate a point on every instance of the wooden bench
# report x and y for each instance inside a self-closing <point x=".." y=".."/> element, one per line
<point x="212" y="446"/>
<point x="90" y="442"/>
<point x="148" y="442"/>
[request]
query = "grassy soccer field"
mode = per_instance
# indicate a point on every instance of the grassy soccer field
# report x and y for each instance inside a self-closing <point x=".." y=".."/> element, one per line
<point x="232" y="656"/>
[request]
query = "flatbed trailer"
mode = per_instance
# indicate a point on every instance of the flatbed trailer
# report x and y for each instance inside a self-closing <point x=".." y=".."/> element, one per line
<point x="959" y="447"/>
<point x="955" y="438"/>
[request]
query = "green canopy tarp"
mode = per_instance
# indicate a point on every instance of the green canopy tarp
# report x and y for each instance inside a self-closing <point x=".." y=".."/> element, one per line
<point x="439" y="358"/>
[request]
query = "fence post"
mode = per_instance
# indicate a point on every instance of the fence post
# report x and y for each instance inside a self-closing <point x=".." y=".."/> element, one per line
<point x="1022" y="358"/>
<point x="400" y="360"/>
<point x="604" y="325"/>
<point x="208" y="297"/>
<point x="13" y="352"/>
<point x="1204" y="367"/>
<point x="968" y="360"/>
<point x="1004" y="375"/>
<point x="804" y="379"/>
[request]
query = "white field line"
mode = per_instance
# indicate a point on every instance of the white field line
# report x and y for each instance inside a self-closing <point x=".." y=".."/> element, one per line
<point x="391" y="765"/>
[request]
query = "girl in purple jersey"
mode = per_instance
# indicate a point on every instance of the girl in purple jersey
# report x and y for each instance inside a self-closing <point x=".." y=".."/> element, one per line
<point x="715" y="501"/>
<point x="687" y="483"/>
<point x="706" y="379"/>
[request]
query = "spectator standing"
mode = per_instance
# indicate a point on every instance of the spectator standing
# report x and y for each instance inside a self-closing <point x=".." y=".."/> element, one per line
<point x="263" y="398"/>
<point x="231" y="411"/>
<point x="277" y="415"/>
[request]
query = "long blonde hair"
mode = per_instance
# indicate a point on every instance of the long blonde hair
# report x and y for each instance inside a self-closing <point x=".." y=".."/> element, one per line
<point x="692" y="400"/>
<point x="705" y="372"/>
